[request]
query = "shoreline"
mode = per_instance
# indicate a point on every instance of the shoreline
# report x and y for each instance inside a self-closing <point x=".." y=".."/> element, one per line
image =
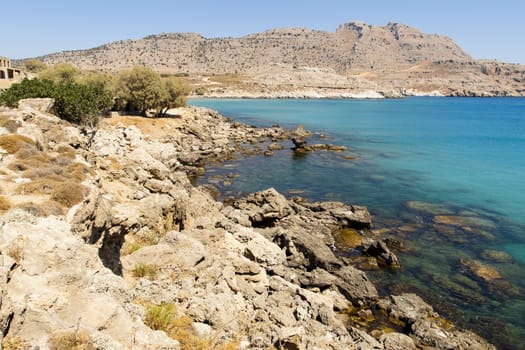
<point x="259" y="271"/>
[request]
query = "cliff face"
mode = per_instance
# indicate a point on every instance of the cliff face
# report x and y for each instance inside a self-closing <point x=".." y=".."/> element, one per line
<point x="393" y="60"/>
<point x="104" y="243"/>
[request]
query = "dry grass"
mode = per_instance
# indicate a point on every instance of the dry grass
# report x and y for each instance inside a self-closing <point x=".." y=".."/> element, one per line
<point x="68" y="193"/>
<point x="17" y="343"/>
<point x="129" y="248"/>
<point x="146" y="270"/>
<point x="154" y="127"/>
<point x="44" y="186"/>
<point x="71" y="340"/>
<point x="42" y="210"/>
<point x="163" y="317"/>
<point x="228" y="79"/>
<point x="16" y="251"/>
<point x="5" y="204"/>
<point x="10" y="125"/>
<point x="67" y="152"/>
<point x="78" y="171"/>
<point x="13" y="143"/>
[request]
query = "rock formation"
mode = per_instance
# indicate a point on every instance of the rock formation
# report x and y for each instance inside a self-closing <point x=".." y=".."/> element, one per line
<point x="356" y="61"/>
<point x="139" y="248"/>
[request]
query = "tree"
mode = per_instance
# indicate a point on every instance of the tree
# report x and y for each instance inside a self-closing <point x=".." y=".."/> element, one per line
<point x="60" y="73"/>
<point x="176" y="91"/>
<point x="142" y="89"/>
<point x="139" y="89"/>
<point x="34" y="65"/>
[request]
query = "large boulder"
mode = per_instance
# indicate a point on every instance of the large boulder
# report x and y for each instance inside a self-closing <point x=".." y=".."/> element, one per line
<point x="265" y="208"/>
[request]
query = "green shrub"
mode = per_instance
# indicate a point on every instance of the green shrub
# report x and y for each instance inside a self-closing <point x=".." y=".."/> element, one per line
<point x="27" y="88"/>
<point x="160" y="317"/>
<point x="82" y="104"/>
<point x="76" y="103"/>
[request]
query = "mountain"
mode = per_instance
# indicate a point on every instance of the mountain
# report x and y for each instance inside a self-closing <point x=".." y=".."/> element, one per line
<point x="357" y="58"/>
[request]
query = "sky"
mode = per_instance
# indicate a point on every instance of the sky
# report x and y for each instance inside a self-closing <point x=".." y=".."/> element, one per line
<point x="31" y="28"/>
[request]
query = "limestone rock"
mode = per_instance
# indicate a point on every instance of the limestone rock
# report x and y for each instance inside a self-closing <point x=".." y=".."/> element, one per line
<point x="43" y="105"/>
<point x="265" y="208"/>
<point x="397" y="341"/>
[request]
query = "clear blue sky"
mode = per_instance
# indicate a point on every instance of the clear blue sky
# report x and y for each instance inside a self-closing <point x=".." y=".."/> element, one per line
<point x="485" y="29"/>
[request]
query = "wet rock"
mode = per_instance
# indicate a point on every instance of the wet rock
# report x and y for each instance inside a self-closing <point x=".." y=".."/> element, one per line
<point x="335" y="148"/>
<point x="275" y="146"/>
<point x="464" y="221"/>
<point x="348" y="239"/>
<point x="496" y="255"/>
<point x="429" y="208"/>
<point x="407" y="308"/>
<point x="381" y="251"/>
<point x="349" y="216"/>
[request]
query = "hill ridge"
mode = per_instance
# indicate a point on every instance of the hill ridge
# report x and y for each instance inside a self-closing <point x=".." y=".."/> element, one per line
<point x="394" y="58"/>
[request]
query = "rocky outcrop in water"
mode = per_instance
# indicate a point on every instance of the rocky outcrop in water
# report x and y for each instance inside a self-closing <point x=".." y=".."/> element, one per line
<point x="138" y="241"/>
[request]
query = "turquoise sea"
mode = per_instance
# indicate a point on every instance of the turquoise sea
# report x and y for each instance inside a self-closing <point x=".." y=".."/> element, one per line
<point x="445" y="175"/>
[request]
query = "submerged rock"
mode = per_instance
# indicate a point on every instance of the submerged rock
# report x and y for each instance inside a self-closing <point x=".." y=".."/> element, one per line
<point x="480" y="270"/>
<point x="429" y="208"/>
<point x="465" y="221"/>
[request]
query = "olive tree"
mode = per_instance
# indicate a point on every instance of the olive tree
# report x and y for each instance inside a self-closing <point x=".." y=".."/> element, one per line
<point x="175" y="90"/>
<point x="142" y="89"/>
<point x="60" y="73"/>
<point x="34" y="65"/>
<point x="139" y="89"/>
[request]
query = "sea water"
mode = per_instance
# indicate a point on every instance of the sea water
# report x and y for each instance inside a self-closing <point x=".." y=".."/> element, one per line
<point x="412" y="161"/>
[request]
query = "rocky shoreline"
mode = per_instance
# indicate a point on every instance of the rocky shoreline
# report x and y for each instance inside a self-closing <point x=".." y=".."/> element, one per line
<point x="130" y="233"/>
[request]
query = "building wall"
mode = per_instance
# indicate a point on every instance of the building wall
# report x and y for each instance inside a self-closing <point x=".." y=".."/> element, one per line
<point x="8" y="75"/>
<point x="5" y="62"/>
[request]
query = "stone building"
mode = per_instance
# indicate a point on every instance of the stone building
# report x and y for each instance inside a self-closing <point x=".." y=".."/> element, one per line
<point x="8" y="74"/>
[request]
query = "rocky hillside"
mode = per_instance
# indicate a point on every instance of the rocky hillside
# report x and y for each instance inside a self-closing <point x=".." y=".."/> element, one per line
<point x="357" y="60"/>
<point x="105" y="244"/>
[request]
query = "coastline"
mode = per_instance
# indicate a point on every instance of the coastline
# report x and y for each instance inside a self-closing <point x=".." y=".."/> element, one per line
<point x="264" y="260"/>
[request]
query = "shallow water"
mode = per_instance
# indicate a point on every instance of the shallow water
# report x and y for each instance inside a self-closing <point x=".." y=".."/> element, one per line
<point x="465" y="156"/>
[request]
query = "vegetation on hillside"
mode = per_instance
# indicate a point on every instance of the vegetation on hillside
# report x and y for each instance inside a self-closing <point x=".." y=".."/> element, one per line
<point x="77" y="103"/>
<point x="81" y="97"/>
